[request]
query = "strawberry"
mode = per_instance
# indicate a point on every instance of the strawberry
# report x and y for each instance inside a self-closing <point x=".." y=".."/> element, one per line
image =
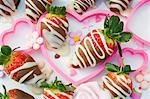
<point x="81" y="6"/>
<point x="54" y="27"/>
<point x="118" y="6"/>
<point x="16" y="60"/>
<point x="104" y="42"/>
<point x="7" y="8"/>
<point x="117" y="81"/>
<point x="109" y="42"/>
<point x="11" y="60"/>
<point x="35" y="8"/>
<point x="57" y="90"/>
<point x="15" y="94"/>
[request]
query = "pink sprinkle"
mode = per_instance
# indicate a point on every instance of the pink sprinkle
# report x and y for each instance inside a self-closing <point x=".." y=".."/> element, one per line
<point x="139" y="78"/>
<point x="73" y="72"/>
<point x="98" y="19"/>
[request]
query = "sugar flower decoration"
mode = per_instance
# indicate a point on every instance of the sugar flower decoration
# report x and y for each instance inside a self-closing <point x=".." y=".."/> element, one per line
<point x="35" y="41"/>
<point x="143" y="78"/>
<point x="91" y="90"/>
<point x="1" y="72"/>
<point x="75" y="37"/>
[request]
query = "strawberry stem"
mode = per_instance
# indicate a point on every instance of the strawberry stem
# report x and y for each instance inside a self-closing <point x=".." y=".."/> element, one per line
<point x="58" y="85"/>
<point x="15" y="48"/>
<point x="4" y="96"/>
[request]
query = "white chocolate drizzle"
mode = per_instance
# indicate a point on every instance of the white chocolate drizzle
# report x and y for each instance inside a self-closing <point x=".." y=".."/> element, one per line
<point x="82" y="5"/>
<point x="37" y="79"/>
<point x="54" y="38"/>
<point x="54" y="96"/>
<point x="89" y="55"/>
<point x="120" y="5"/>
<point x="91" y="90"/>
<point x="9" y="6"/>
<point x="116" y="88"/>
<point x="32" y="10"/>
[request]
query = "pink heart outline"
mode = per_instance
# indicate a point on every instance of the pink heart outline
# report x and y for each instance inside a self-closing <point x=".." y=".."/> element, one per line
<point x="88" y="14"/>
<point x="80" y="19"/>
<point x="13" y="30"/>
<point x="140" y="4"/>
<point x="133" y="52"/>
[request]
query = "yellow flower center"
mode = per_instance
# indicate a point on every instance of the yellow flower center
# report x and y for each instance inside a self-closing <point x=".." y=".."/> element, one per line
<point x="76" y="38"/>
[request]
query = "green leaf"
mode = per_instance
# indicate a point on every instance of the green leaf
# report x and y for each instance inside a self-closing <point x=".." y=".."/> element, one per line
<point x="57" y="85"/>
<point x="127" y="69"/>
<point x="112" y="67"/>
<point x="106" y="22"/>
<point x="107" y="32"/>
<point x="123" y="36"/>
<point x="118" y="27"/>
<point x="3" y="59"/>
<point x="56" y="10"/>
<point x="45" y="85"/>
<point x="114" y="20"/>
<point x="61" y="87"/>
<point x="6" y="50"/>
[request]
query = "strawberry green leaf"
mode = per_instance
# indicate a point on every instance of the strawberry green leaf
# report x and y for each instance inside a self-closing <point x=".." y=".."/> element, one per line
<point x="123" y="36"/>
<point x="113" y="28"/>
<point x="127" y="69"/>
<point x="114" y="20"/>
<point x="61" y="87"/>
<point x="56" y="10"/>
<point x="112" y="67"/>
<point x="45" y="85"/>
<point x="4" y="95"/>
<point x="106" y="22"/>
<point x="6" y="50"/>
<point x="58" y="85"/>
<point x="3" y="59"/>
<point x="118" y="27"/>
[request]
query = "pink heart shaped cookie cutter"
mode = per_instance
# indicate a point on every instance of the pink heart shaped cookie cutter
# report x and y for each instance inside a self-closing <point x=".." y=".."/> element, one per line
<point x="13" y="30"/>
<point x="142" y="53"/>
<point x="140" y="4"/>
<point x="80" y="19"/>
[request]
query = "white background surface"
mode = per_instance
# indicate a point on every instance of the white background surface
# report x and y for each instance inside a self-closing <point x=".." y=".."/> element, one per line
<point x="140" y="26"/>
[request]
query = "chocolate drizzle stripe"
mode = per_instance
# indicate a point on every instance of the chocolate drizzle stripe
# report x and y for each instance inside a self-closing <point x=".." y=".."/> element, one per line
<point x="115" y="87"/>
<point x="119" y="91"/>
<point x="112" y="3"/>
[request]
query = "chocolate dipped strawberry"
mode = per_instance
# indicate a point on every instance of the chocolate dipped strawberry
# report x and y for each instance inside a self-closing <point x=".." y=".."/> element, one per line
<point x="15" y="94"/>
<point x="82" y="6"/>
<point x="100" y="44"/>
<point x="57" y="90"/>
<point x="118" y="81"/>
<point x="54" y="27"/>
<point x="8" y="7"/>
<point x="35" y="8"/>
<point x="119" y="6"/>
<point x="21" y="67"/>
